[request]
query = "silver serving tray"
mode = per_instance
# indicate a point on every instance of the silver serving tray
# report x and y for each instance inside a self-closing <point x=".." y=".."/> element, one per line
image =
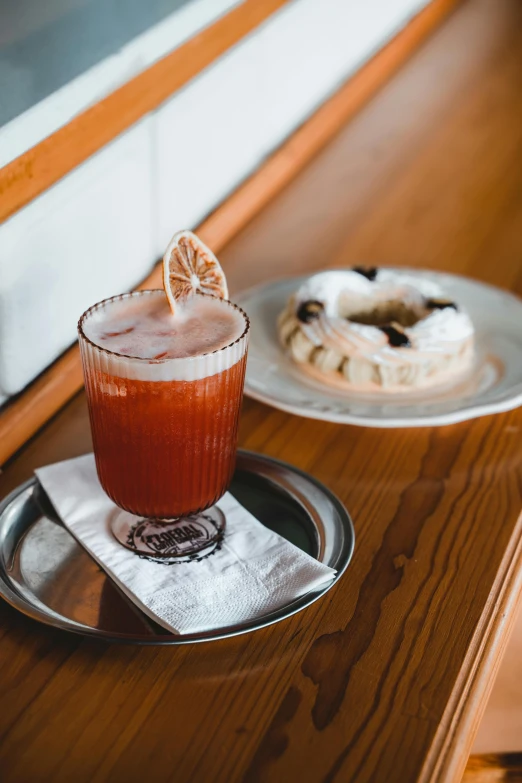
<point x="48" y="576"/>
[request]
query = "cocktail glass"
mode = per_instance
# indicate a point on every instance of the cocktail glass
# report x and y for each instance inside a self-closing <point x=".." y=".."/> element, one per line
<point x="165" y="438"/>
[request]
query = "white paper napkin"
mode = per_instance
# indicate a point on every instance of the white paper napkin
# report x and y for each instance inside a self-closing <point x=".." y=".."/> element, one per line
<point x="255" y="572"/>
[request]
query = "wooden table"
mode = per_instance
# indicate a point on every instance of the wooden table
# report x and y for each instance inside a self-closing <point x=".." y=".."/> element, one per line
<point x="384" y="679"/>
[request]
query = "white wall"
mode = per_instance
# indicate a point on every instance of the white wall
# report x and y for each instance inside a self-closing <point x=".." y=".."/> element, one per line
<point x="100" y="229"/>
<point x="85" y="239"/>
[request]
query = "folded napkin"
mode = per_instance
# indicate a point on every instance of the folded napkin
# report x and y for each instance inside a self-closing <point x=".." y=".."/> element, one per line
<point x="255" y="572"/>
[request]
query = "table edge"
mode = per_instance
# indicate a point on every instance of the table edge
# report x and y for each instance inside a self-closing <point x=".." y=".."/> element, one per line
<point x="449" y="752"/>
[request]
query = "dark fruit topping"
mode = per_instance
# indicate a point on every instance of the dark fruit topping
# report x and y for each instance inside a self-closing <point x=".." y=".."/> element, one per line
<point x="309" y="311"/>
<point x="440" y="304"/>
<point x="369" y="272"/>
<point x="396" y="338"/>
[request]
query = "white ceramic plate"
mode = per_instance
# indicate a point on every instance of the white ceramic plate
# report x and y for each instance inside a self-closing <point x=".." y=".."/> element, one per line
<point x="494" y="385"/>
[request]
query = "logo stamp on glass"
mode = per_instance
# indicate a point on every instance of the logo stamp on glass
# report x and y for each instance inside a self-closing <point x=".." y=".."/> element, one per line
<point x="187" y="539"/>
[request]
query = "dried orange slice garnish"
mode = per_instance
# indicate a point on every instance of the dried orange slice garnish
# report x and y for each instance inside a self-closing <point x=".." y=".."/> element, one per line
<point x="189" y="266"/>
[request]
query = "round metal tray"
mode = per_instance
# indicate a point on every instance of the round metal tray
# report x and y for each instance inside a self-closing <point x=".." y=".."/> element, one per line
<point x="49" y="577"/>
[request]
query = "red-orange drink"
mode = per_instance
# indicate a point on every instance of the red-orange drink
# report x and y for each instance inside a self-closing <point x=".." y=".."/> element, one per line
<point x="164" y="396"/>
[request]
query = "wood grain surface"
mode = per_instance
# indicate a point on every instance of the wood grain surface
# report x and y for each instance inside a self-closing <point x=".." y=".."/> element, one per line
<point x="494" y="768"/>
<point x="500" y="730"/>
<point x="22" y="417"/>
<point x="384" y="680"/>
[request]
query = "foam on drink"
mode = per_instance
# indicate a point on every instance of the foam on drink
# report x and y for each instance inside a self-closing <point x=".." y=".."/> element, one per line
<point x="149" y="343"/>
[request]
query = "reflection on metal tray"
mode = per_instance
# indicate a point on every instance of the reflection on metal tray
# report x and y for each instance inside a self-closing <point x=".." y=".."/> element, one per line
<point x="48" y="576"/>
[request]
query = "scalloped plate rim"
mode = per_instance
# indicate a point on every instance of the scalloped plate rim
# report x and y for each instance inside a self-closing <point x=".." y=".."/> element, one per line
<point x="508" y="399"/>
